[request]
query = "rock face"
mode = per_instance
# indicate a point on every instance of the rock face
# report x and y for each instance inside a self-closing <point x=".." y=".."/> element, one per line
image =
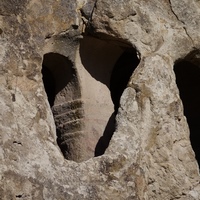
<point x="99" y="99"/>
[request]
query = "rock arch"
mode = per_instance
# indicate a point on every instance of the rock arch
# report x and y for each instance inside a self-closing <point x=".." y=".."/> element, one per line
<point x="84" y="94"/>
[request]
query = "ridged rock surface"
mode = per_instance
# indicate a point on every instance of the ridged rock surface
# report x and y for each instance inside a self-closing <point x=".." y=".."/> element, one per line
<point x="150" y="155"/>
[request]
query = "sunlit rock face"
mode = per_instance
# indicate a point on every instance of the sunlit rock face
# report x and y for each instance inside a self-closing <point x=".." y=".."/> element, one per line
<point x="99" y="100"/>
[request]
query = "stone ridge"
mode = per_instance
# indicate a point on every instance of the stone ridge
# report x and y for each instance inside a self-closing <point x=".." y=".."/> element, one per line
<point x="69" y="121"/>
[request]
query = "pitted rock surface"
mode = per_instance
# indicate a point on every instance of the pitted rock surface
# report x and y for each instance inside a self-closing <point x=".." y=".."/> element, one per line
<point x="148" y="154"/>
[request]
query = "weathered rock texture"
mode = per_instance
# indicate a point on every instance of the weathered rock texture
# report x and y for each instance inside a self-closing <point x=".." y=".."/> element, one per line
<point x="63" y="68"/>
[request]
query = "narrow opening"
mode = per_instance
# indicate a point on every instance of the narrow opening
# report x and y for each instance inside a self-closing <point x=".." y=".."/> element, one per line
<point x="188" y="82"/>
<point x="49" y="84"/>
<point x="62" y="89"/>
<point x="107" y="67"/>
<point x="58" y="72"/>
<point x="121" y="73"/>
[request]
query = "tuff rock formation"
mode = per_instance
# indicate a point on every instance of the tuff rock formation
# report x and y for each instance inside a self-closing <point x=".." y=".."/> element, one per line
<point x="99" y="99"/>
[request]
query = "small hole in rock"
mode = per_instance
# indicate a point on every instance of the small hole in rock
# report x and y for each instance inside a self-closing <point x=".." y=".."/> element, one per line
<point x="74" y="26"/>
<point x="19" y="196"/>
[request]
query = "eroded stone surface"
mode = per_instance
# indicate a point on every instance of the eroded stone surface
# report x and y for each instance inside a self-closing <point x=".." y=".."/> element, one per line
<point x="150" y="155"/>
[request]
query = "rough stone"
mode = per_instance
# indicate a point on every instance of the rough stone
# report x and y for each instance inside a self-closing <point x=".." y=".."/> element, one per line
<point x="58" y="101"/>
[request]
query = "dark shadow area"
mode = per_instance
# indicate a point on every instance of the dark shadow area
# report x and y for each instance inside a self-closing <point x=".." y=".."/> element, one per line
<point x="104" y="141"/>
<point x="49" y="84"/>
<point x="60" y="68"/>
<point x="62" y="90"/>
<point x="98" y="58"/>
<point x="188" y="82"/>
<point x="121" y="74"/>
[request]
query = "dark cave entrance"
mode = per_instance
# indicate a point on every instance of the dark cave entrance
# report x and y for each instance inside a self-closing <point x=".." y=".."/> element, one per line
<point x="188" y="82"/>
<point x="107" y="66"/>
<point x="58" y="72"/>
<point x="121" y="73"/>
<point x="62" y="89"/>
<point x="85" y="100"/>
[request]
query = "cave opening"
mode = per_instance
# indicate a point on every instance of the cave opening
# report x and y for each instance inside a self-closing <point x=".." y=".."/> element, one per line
<point x="188" y="82"/>
<point x="108" y="66"/>
<point x="84" y="95"/>
<point x="63" y="92"/>
<point x="57" y="71"/>
<point x="121" y="73"/>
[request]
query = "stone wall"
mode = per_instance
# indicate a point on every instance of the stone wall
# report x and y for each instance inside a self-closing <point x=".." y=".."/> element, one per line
<point x="99" y="100"/>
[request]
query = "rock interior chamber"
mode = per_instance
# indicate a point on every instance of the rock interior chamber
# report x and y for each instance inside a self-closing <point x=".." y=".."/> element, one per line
<point x="84" y="97"/>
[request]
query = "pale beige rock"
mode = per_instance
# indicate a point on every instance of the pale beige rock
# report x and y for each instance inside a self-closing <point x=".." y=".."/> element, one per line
<point x="150" y="154"/>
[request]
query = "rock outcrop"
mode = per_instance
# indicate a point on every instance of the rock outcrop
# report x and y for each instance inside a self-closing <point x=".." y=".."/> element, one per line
<point x="99" y="99"/>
